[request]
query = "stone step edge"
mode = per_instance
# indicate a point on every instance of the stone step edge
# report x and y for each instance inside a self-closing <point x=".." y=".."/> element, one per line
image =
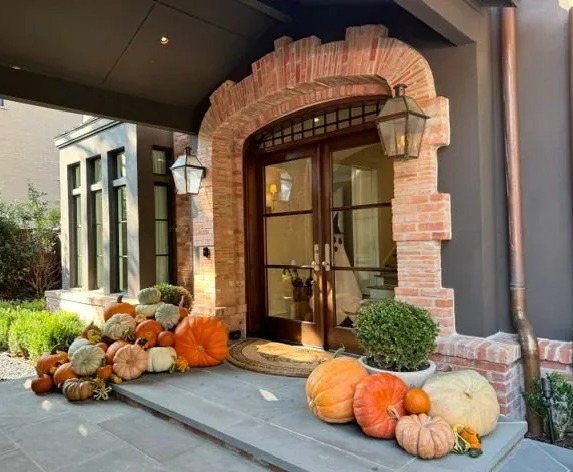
<point x="194" y="427"/>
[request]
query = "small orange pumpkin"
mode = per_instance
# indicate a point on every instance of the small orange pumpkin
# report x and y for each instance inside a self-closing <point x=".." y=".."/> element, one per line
<point x="112" y="350"/>
<point x="42" y="384"/>
<point x="104" y="372"/>
<point x="201" y="340"/>
<point x="166" y="339"/>
<point x="148" y="330"/>
<point x="63" y="373"/>
<point x="103" y="346"/>
<point x="378" y="403"/>
<point x="48" y="363"/>
<point x="118" y="306"/>
<point x="417" y="401"/>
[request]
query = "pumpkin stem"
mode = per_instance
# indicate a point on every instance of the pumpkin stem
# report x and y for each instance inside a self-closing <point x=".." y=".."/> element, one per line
<point x="120" y="298"/>
<point x="181" y="302"/>
<point x="392" y="412"/>
<point x="339" y="352"/>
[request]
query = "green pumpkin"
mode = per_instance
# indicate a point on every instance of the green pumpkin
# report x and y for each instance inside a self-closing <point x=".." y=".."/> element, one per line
<point x="167" y="315"/>
<point x="87" y="359"/>
<point x="147" y="310"/>
<point x="149" y="296"/>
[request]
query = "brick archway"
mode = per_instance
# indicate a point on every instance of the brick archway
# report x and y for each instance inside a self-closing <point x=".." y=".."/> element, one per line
<point x="294" y="76"/>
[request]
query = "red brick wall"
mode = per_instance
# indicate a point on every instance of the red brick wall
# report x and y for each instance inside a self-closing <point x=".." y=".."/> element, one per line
<point x="294" y="76"/>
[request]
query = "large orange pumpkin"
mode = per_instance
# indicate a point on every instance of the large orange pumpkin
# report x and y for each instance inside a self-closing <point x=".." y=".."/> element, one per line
<point x="330" y="389"/>
<point x="112" y="350"/>
<point x="118" y="306"/>
<point x="63" y="373"/>
<point x="148" y="330"/>
<point x="378" y="403"/>
<point x="201" y="340"/>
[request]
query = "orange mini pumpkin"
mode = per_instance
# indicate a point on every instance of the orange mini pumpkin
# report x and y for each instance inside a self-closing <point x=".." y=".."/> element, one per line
<point x="166" y="339"/>
<point x="42" y="384"/>
<point x="330" y="389"/>
<point x="148" y="330"/>
<point x="378" y="403"/>
<point x="417" y="401"/>
<point x="118" y="306"/>
<point x="48" y="363"/>
<point x="103" y="346"/>
<point x="104" y="372"/>
<point x="201" y="340"/>
<point x="63" y="373"/>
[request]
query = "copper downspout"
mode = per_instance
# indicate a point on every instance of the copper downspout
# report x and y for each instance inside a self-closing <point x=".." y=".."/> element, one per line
<point x="527" y="338"/>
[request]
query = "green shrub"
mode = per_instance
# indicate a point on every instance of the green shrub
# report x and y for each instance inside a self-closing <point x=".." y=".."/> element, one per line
<point x="395" y="335"/>
<point x="33" y="305"/>
<point x="173" y="293"/>
<point x="7" y="316"/>
<point x="34" y="332"/>
<point x="561" y="401"/>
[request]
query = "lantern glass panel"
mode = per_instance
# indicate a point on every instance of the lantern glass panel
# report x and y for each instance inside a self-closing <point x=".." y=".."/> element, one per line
<point x="194" y="176"/>
<point x="393" y="136"/>
<point x="394" y="106"/>
<point x="413" y="106"/>
<point x="416" y="126"/>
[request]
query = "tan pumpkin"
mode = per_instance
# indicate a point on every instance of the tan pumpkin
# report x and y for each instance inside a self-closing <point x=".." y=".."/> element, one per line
<point x="63" y="373"/>
<point x="112" y="350"/>
<point x="118" y="306"/>
<point x="42" y="384"/>
<point x="76" y="344"/>
<point x="425" y="437"/>
<point x="330" y="389"/>
<point x="78" y="390"/>
<point x="167" y="315"/>
<point x="119" y="326"/>
<point x="464" y="397"/>
<point x="87" y="359"/>
<point x="147" y="310"/>
<point x="160" y="359"/>
<point x="130" y="362"/>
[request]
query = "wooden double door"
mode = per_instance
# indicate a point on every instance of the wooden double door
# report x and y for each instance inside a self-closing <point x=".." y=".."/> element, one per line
<point x="319" y="238"/>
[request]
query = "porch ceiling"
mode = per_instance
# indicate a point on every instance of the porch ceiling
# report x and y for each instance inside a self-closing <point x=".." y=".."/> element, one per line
<point x="105" y="58"/>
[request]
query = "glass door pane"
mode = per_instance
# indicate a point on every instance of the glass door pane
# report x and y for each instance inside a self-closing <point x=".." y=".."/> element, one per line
<point x="289" y="240"/>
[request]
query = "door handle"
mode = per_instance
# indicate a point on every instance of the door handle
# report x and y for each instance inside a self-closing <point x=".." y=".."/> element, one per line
<point x="326" y="262"/>
<point x="313" y="265"/>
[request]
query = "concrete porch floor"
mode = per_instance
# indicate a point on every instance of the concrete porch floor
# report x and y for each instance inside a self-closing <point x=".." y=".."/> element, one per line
<point x="235" y="420"/>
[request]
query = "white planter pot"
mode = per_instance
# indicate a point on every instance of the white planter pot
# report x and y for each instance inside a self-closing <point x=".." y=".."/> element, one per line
<point x="412" y="379"/>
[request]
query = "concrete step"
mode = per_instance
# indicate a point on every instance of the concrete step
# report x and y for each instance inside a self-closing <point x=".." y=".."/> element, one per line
<point x="266" y="418"/>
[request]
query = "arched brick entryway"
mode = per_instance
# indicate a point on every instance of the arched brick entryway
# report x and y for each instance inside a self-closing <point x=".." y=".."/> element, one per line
<point x="300" y="74"/>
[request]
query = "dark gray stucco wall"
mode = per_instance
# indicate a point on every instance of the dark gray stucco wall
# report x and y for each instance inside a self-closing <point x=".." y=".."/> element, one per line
<point x="544" y="115"/>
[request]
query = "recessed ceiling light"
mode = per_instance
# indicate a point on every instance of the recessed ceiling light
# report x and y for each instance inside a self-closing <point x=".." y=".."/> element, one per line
<point x="16" y="68"/>
<point x="164" y="40"/>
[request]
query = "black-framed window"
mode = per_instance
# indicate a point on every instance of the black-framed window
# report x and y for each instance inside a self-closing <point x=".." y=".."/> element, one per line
<point x="96" y="219"/>
<point x="76" y="259"/>
<point x="160" y="161"/>
<point x="120" y="254"/>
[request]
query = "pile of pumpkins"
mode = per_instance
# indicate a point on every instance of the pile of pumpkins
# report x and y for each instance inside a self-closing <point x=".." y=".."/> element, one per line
<point x="149" y="337"/>
<point x="451" y="408"/>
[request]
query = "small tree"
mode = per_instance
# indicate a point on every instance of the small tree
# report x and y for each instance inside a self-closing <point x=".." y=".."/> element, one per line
<point x="29" y="248"/>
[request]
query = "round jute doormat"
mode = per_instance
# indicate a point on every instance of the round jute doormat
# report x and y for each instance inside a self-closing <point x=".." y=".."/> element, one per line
<point x="268" y="357"/>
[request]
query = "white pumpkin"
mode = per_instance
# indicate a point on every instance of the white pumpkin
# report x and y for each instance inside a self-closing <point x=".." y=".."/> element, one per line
<point x="464" y="397"/>
<point x="167" y="315"/>
<point x="76" y="344"/>
<point x="149" y="296"/>
<point x="147" y="310"/>
<point x="119" y="326"/>
<point x="87" y="359"/>
<point x="160" y="359"/>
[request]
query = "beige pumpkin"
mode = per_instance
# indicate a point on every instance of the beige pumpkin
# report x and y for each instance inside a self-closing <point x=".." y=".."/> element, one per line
<point x="160" y="359"/>
<point x="119" y="326"/>
<point x="87" y="359"/>
<point x="130" y="362"/>
<point x="149" y="296"/>
<point x="76" y="344"/>
<point x="424" y="437"/>
<point x="147" y="310"/>
<point x="167" y="315"/>
<point x="464" y="397"/>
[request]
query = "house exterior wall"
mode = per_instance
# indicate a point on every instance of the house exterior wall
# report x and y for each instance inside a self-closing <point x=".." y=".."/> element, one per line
<point x="27" y="151"/>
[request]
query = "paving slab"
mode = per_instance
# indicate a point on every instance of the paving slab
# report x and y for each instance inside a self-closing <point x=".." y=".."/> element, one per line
<point x="18" y="461"/>
<point x="560" y="454"/>
<point x="267" y="417"/>
<point x="528" y="456"/>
